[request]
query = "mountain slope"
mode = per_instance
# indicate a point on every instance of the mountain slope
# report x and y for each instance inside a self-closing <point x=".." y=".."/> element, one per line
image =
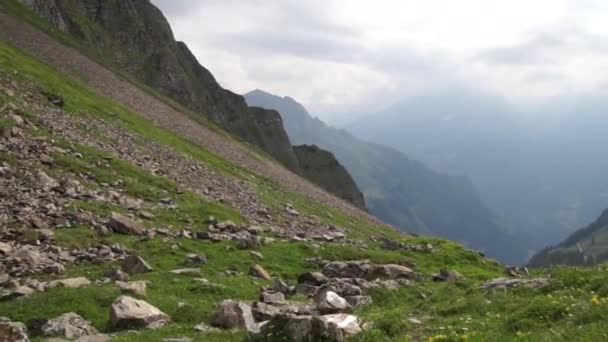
<point x="587" y="246"/>
<point x="120" y="225"/>
<point x="154" y="108"/>
<point x="135" y="37"/>
<point x="399" y="190"/>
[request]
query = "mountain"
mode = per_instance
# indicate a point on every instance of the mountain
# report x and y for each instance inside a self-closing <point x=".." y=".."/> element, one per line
<point x="124" y="217"/>
<point x="135" y="38"/>
<point x="399" y="190"/>
<point x="540" y="171"/>
<point x="587" y="246"/>
<point x="322" y="168"/>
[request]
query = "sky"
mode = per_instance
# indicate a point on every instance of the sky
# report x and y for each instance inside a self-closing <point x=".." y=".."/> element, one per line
<point x="342" y="58"/>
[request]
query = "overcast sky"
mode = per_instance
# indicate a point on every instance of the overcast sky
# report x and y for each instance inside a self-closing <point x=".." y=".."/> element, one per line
<point x="348" y="56"/>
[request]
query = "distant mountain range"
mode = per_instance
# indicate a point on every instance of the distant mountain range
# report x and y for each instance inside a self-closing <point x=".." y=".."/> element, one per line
<point x="543" y="172"/>
<point x="587" y="246"/>
<point x="400" y="190"/>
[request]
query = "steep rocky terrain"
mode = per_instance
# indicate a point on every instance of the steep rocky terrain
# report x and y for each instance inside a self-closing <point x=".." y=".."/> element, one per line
<point x="402" y="191"/>
<point x="586" y="246"/>
<point x="122" y="219"/>
<point x="135" y="37"/>
<point x="322" y="168"/>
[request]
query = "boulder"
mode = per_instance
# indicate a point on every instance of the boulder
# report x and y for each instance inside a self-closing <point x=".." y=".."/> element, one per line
<point x="134" y="264"/>
<point x="68" y="325"/>
<point x="348" y="269"/>
<point x="331" y="302"/>
<point x="264" y="312"/>
<point x="289" y="327"/>
<point x="137" y="288"/>
<point x="12" y="331"/>
<point x="306" y="289"/>
<point x="359" y="301"/>
<point x="231" y="314"/>
<point x="71" y="283"/>
<point x="312" y="278"/>
<point x="394" y="271"/>
<point x="272" y="297"/>
<point x="349" y="325"/>
<point x="259" y="271"/>
<point x="278" y="285"/>
<point x="130" y="313"/>
<point x="125" y="225"/>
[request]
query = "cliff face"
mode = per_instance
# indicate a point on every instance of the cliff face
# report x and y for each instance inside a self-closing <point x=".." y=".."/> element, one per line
<point x="321" y="167"/>
<point x="135" y="37"/>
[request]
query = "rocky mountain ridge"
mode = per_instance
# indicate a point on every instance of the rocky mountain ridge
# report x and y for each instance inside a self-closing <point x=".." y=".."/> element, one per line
<point x="135" y="38"/>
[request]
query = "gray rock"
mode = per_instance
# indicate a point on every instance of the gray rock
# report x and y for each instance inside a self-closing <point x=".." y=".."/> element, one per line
<point x="349" y="325"/>
<point x="278" y="285"/>
<point x="289" y="327"/>
<point x="12" y="331"/>
<point x="330" y="302"/>
<point x="71" y="283"/>
<point x="312" y="278"/>
<point x="359" y="301"/>
<point x="68" y="325"/>
<point x="231" y="314"/>
<point x="130" y="313"/>
<point x="134" y="264"/>
<point x="394" y="271"/>
<point x="349" y="269"/>
<point x="264" y="312"/>
<point x="137" y="288"/>
<point x="125" y="225"/>
<point x="306" y="289"/>
<point x="272" y="297"/>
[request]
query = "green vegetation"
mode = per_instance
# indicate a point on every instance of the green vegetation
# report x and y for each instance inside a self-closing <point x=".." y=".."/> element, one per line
<point x="574" y="307"/>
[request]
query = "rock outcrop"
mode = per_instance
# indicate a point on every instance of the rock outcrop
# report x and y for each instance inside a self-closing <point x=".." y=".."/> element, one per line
<point x="322" y="168"/>
<point x="130" y="313"/>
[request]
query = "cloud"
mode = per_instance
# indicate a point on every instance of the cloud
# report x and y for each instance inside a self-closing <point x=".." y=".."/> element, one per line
<point x="341" y="56"/>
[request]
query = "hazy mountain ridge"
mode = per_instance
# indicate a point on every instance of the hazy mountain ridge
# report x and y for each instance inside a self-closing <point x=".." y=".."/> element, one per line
<point x="586" y="247"/>
<point x="399" y="190"/>
<point x="541" y="171"/>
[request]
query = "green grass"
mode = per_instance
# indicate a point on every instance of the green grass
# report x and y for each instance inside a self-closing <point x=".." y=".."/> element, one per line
<point x="573" y="308"/>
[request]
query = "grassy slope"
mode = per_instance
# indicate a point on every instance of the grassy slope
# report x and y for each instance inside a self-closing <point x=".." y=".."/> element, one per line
<point x="565" y="311"/>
